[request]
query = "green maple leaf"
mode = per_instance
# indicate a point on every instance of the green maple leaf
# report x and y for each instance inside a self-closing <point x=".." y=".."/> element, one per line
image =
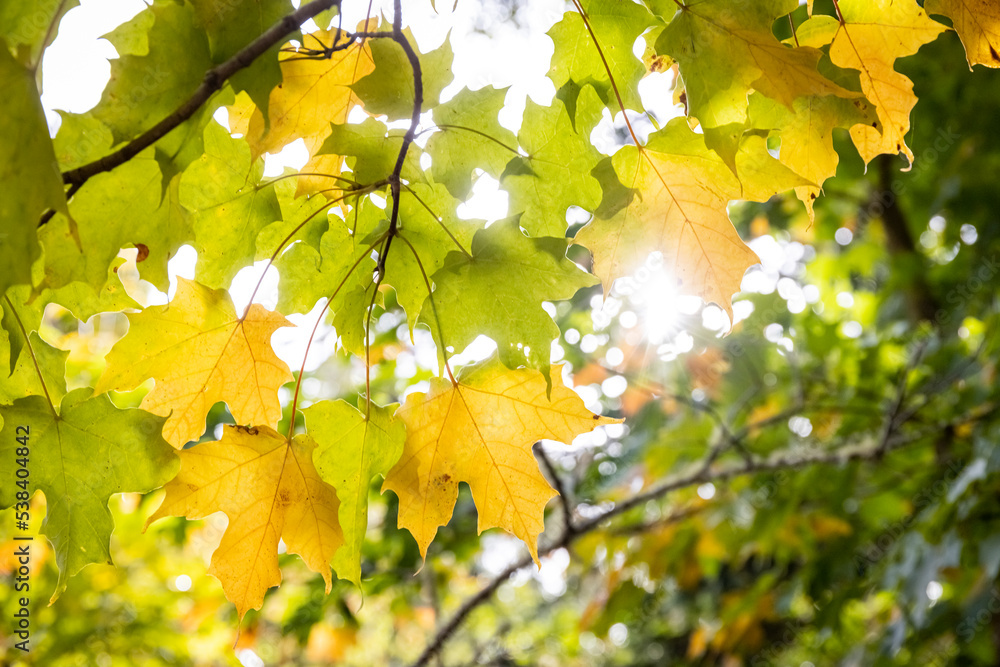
<point x="352" y="449"/>
<point x="164" y="54"/>
<point x="232" y="25"/>
<point x="230" y="206"/>
<point x="616" y="25"/>
<point x="78" y="459"/>
<point x="121" y="208"/>
<point x="81" y="139"/>
<point x="726" y="49"/>
<point x="28" y="170"/>
<point x="24" y="378"/>
<point x="389" y="89"/>
<point x="339" y="265"/>
<point x="294" y="212"/>
<point x="29" y="27"/>
<point x="372" y="150"/>
<point x="470" y="138"/>
<point x="556" y="173"/>
<point x="499" y="291"/>
<point x="428" y="220"/>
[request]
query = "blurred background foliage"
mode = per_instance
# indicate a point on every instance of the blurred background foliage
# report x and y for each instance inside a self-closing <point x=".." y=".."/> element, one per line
<point x="876" y="324"/>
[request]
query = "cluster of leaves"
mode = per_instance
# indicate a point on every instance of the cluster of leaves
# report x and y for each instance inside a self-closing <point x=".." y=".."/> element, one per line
<point x="367" y="214"/>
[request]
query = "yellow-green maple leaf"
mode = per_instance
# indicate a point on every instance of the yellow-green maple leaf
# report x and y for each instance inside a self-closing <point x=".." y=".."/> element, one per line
<point x="977" y="22"/>
<point x="873" y="35"/>
<point x="727" y="48"/>
<point x="199" y="352"/>
<point x="270" y="491"/>
<point x="680" y="190"/>
<point x="352" y="448"/>
<point x="806" y="134"/>
<point x="314" y="93"/>
<point x="480" y="431"/>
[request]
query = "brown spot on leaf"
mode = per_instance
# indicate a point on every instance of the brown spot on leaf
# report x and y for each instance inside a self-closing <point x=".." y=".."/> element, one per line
<point x="143" y="252"/>
<point x="249" y="430"/>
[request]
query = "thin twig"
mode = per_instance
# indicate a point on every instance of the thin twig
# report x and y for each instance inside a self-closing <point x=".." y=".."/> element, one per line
<point x="557" y="483"/>
<point x="893" y="422"/>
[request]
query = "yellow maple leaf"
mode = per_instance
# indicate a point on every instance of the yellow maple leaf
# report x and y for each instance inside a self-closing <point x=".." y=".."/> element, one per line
<point x="314" y="92"/>
<point x="270" y="491"/>
<point x="199" y="352"/>
<point x="977" y="22"/>
<point x="480" y="431"/>
<point x="681" y="190"/>
<point x="873" y="34"/>
<point x="806" y="134"/>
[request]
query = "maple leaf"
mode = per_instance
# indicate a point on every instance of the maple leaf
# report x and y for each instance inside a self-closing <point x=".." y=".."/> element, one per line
<point x="680" y="190"/>
<point x="270" y="491"/>
<point x="26" y="378"/>
<point x="28" y="170"/>
<point x="470" y="137"/>
<point x="725" y="49"/>
<point x="314" y="92"/>
<point x="480" y="431"/>
<point x="616" y="26"/>
<point x="130" y="205"/>
<point x="352" y="449"/>
<point x="308" y="274"/>
<point x="199" y="353"/>
<point x="388" y="89"/>
<point x="229" y="26"/>
<point x="229" y="206"/>
<point x="873" y="35"/>
<point x="556" y="172"/>
<point x="79" y="458"/>
<point x="806" y="133"/>
<point x="163" y="56"/>
<point x="429" y="222"/>
<point x="498" y="291"/>
<point x="977" y="22"/>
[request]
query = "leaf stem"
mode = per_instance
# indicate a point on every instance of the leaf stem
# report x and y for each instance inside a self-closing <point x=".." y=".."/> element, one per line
<point x="430" y="297"/>
<point x="358" y="192"/>
<point x="449" y="126"/>
<point x="305" y="355"/>
<point x="439" y="220"/>
<point x="369" y="314"/>
<point x="791" y="23"/>
<point x="34" y="359"/>
<point x="607" y="68"/>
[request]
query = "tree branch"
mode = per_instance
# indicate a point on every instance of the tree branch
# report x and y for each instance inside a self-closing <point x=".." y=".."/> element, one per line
<point x="411" y="133"/>
<point x="212" y="83"/>
<point x="700" y="475"/>
<point x="557" y="483"/>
